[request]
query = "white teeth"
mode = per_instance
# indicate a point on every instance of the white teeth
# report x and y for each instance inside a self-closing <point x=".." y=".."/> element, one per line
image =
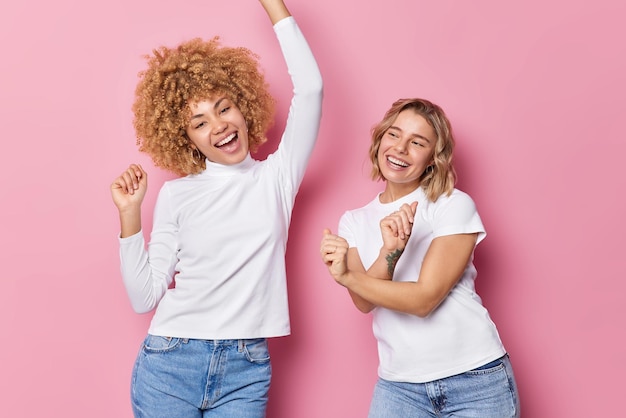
<point x="397" y="162"/>
<point x="226" y="140"/>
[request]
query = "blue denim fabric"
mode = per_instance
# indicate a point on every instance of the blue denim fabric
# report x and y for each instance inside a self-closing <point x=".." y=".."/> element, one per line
<point x="488" y="391"/>
<point x="186" y="378"/>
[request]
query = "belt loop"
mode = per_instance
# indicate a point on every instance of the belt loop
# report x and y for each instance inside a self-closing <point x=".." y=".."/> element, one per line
<point x="240" y="345"/>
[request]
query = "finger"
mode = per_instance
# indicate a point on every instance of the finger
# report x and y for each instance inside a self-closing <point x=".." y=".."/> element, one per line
<point x="324" y="242"/>
<point x="138" y="170"/>
<point x="329" y="248"/>
<point x="128" y="179"/>
<point x="332" y="239"/>
<point x="409" y="210"/>
<point x="142" y="175"/>
<point x="328" y="259"/>
<point x="118" y="185"/>
<point x="122" y="183"/>
<point x="390" y="224"/>
<point x="133" y="174"/>
<point x="405" y="219"/>
<point x="333" y="259"/>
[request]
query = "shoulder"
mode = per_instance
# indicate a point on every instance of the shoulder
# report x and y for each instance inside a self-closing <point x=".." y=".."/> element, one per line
<point x="177" y="185"/>
<point x="354" y="218"/>
<point x="457" y="199"/>
<point x="364" y="210"/>
<point x="453" y="214"/>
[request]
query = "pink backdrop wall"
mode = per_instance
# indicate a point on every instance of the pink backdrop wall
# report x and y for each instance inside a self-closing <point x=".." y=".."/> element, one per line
<point x="534" y="89"/>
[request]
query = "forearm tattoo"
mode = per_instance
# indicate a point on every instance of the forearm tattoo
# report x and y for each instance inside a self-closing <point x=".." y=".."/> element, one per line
<point x="392" y="260"/>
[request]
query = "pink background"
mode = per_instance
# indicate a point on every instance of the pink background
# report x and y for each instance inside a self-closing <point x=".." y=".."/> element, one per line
<point x="535" y="91"/>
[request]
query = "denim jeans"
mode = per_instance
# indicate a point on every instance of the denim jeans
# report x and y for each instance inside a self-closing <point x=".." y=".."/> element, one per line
<point x="488" y="391"/>
<point x="186" y="378"/>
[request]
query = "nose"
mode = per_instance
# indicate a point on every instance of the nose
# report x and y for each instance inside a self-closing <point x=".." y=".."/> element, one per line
<point x="401" y="146"/>
<point x="219" y="126"/>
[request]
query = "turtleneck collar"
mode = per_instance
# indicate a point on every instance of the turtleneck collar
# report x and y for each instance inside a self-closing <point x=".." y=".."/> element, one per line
<point x="216" y="169"/>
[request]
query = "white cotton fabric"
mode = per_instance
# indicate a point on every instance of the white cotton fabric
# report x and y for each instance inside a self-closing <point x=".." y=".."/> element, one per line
<point x="223" y="233"/>
<point x="459" y="335"/>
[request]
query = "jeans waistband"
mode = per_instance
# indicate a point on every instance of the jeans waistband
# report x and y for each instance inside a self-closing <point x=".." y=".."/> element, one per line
<point x="240" y="343"/>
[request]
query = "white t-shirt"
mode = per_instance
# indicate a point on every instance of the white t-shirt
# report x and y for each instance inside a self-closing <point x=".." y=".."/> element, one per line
<point x="222" y="233"/>
<point x="459" y="334"/>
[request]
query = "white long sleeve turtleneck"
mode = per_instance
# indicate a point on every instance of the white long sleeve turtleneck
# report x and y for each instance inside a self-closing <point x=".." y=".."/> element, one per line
<point x="223" y="233"/>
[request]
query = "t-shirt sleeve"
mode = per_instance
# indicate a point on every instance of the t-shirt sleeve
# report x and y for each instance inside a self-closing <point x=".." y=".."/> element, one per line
<point x="457" y="214"/>
<point x="346" y="228"/>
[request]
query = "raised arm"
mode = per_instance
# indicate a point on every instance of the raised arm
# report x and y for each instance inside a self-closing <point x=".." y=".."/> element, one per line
<point x="305" y="111"/>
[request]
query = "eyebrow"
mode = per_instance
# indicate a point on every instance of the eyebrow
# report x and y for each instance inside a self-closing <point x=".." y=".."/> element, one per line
<point x="215" y="106"/>
<point x="413" y="135"/>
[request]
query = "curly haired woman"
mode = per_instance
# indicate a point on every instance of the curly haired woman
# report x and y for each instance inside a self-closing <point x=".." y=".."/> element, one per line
<point x="407" y="256"/>
<point x="220" y="229"/>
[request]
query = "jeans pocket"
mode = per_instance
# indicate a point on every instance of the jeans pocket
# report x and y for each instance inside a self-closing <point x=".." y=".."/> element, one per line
<point x="256" y="351"/>
<point x="158" y="344"/>
<point x="491" y="367"/>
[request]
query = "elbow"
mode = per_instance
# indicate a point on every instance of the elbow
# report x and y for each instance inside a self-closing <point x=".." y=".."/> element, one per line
<point x="423" y="310"/>
<point x="361" y="304"/>
<point x="365" y="309"/>
<point x="421" y="313"/>
<point x="141" y="308"/>
<point x="364" y="306"/>
<point x="316" y="84"/>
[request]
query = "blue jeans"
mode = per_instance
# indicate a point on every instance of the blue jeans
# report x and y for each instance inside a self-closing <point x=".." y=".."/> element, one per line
<point x="488" y="391"/>
<point x="186" y="378"/>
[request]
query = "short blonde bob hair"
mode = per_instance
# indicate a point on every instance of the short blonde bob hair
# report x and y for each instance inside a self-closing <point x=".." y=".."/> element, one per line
<point x="196" y="70"/>
<point x="440" y="176"/>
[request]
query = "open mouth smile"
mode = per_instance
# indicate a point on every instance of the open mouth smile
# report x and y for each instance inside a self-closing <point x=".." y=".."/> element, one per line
<point x="226" y="140"/>
<point x="396" y="162"/>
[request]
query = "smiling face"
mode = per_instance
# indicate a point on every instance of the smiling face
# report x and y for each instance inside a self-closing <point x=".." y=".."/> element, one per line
<point x="406" y="150"/>
<point x="218" y="130"/>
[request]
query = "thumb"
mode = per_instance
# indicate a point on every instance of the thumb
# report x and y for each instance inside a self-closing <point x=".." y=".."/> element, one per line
<point x="326" y="231"/>
<point x="413" y="207"/>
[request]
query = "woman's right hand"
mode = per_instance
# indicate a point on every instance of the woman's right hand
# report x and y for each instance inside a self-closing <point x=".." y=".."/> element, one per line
<point x="129" y="189"/>
<point x="334" y="251"/>
<point x="396" y="227"/>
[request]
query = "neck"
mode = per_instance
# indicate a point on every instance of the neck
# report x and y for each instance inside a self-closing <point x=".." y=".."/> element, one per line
<point x="395" y="191"/>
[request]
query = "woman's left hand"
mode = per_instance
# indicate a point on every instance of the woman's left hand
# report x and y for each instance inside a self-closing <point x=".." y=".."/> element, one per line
<point x="396" y="227"/>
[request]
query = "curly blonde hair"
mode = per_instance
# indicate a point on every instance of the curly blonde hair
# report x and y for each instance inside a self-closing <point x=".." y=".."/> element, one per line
<point x="196" y="70"/>
<point x="440" y="176"/>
